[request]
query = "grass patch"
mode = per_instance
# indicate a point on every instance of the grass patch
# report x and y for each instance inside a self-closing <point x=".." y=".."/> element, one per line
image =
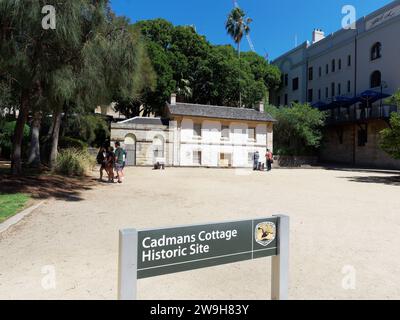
<point x="10" y="204"/>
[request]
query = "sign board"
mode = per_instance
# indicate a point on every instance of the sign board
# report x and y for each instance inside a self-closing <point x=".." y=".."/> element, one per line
<point x="155" y="252"/>
<point x="378" y="20"/>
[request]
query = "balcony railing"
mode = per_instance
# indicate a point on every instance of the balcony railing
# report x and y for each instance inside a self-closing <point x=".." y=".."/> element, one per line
<point x="358" y="114"/>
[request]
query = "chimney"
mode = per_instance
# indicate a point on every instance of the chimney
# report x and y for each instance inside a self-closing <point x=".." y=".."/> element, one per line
<point x="317" y="35"/>
<point x="173" y="99"/>
<point x="261" y="106"/>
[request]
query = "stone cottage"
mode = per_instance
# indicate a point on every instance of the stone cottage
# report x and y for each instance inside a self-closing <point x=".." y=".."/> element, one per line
<point x="196" y="135"/>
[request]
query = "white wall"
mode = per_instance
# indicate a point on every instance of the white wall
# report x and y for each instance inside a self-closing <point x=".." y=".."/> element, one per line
<point x="211" y="144"/>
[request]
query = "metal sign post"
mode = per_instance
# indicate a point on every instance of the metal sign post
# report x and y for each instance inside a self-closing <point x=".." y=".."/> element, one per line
<point x="154" y="252"/>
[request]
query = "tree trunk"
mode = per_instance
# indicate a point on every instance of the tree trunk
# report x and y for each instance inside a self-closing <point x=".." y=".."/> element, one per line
<point x="240" y="87"/>
<point x="16" y="161"/>
<point x="34" y="152"/>
<point x="54" y="138"/>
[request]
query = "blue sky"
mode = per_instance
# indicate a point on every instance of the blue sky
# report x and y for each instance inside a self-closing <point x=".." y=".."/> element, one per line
<point x="276" y="23"/>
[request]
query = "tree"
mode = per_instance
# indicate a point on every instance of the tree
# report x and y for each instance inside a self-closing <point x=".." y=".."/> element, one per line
<point x="90" y="58"/>
<point x="28" y="52"/>
<point x="298" y="130"/>
<point x="187" y="64"/>
<point x="237" y="26"/>
<point x="390" y="137"/>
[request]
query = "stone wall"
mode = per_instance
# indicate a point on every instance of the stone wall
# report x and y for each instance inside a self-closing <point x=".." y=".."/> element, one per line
<point x="143" y="137"/>
<point x="349" y="152"/>
<point x="294" y="162"/>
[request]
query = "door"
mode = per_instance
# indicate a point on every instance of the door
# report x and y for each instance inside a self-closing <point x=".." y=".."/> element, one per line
<point x="130" y="148"/>
<point x="130" y="154"/>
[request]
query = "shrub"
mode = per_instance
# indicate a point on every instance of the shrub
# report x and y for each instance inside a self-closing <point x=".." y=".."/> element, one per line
<point x="74" y="162"/>
<point x="390" y="137"/>
<point x="68" y="143"/>
<point x="298" y="131"/>
<point x="6" y="136"/>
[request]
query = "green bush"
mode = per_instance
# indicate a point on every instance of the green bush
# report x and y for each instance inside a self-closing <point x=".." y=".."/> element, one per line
<point x="68" y="143"/>
<point x="298" y="131"/>
<point x="390" y="137"/>
<point x="6" y="135"/>
<point x="74" y="162"/>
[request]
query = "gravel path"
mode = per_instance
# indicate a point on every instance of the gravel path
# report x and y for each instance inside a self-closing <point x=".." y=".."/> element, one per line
<point x="338" y="219"/>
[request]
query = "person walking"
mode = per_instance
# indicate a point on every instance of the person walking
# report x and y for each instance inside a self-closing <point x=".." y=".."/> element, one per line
<point x="270" y="159"/>
<point x="256" y="159"/>
<point x="119" y="161"/>
<point x="102" y="161"/>
<point x="110" y="164"/>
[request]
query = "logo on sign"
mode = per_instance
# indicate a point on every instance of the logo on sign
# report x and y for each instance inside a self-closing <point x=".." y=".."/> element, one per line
<point x="265" y="233"/>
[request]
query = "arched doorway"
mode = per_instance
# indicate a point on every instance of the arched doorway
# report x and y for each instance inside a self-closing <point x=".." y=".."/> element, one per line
<point x="158" y="149"/>
<point x="130" y="148"/>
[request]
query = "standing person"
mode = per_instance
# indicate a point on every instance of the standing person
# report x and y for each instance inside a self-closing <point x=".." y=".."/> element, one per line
<point x="256" y="158"/>
<point x="110" y="164"/>
<point x="102" y="161"/>
<point x="119" y="161"/>
<point x="270" y="159"/>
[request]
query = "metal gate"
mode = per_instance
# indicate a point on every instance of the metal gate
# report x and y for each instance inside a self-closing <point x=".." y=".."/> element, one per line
<point x="130" y="154"/>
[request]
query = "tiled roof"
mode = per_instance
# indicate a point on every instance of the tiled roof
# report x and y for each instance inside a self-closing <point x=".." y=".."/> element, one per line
<point x="145" y="120"/>
<point x="219" y="112"/>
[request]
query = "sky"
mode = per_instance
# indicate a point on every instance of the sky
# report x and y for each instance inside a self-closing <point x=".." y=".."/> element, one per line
<point x="277" y="24"/>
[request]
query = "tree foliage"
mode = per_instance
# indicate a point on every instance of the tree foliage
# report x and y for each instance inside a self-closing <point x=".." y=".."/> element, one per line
<point x="89" y="59"/>
<point x="187" y="64"/>
<point x="390" y="137"/>
<point x="298" y="130"/>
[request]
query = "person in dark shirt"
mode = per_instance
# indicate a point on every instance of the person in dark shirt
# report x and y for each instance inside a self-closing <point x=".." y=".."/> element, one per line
<point x="110" y="162"/>
<point x="102" y="160"/>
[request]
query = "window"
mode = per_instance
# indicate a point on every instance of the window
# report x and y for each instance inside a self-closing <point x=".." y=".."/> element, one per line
<point x="197" y="130"/>
<point x="310" y="95"/>
<point x="197" y="158"/>
<point x="326" y="92"/>
<point x="333" y="65"/>
<point x="376" y="51"/>
<point x="225" y="132"/>
<point x="286" y="100"/>
<point x="319" y="94"/>
<point x="279" y="101"/>
<point x="339" y="89"/>
<point x="158" y="147"/>
<point x="327" y="69"/>
<point x="295" y="84"/>
<point x="320" y="72"/>
<point x="333" y="89"/>
<point x="251" y="133"/>
<point x="286" y="80"/>
<point x="376" y="79"/>
<point x="349" y="60"/>
<point x="310" y="73"/>
<point x="340" y="64"/>
<point x="349" y="86"/>
<point x="250" y="157"/>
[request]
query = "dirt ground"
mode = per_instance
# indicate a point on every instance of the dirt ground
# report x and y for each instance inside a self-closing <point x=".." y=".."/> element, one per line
<point x="344" y="230"/>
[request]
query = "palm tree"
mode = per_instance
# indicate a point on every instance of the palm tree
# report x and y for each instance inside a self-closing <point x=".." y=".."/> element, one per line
<point x="237" y="26"/>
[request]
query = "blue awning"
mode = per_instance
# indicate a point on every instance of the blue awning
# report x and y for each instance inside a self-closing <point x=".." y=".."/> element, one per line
<point x="345" y="102"/>
<point x="319" y="105"/>
<point x="371" y="96"/>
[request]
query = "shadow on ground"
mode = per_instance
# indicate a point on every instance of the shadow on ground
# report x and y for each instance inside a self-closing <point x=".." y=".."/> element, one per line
<point x="46" y="185"/>
<point x="387" y="180"/>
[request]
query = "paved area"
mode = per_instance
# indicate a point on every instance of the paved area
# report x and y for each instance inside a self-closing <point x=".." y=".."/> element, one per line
<point x="341" y="221"/>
